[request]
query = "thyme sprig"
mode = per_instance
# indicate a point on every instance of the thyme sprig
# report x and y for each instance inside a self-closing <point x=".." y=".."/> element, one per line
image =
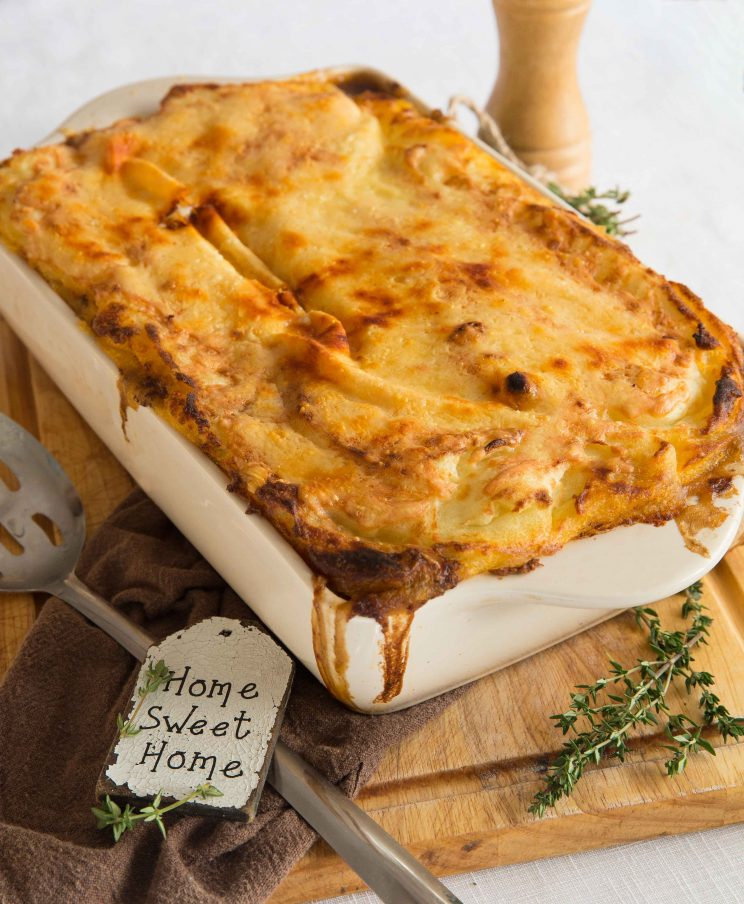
<point x="155" y="677"/>
<point x="602" y="715"/>
<point x="589" y="204"/>
<point x="110" y="814"/>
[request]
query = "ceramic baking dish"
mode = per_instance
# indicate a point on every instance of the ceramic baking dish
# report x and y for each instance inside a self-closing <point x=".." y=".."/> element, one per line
<point x="479" y="626"/>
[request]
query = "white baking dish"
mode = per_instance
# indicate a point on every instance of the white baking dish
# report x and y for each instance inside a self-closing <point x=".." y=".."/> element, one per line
<point x="477" y="627"/>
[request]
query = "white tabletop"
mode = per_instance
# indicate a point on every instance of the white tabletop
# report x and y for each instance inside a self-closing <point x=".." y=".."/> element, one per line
<point x="664" y="84"/>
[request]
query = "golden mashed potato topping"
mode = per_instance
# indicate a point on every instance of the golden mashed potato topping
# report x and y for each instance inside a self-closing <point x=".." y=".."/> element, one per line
<point x="404" y="357"/>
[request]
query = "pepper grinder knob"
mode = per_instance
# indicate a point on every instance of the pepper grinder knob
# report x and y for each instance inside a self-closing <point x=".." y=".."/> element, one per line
<point x="536" y="99"/>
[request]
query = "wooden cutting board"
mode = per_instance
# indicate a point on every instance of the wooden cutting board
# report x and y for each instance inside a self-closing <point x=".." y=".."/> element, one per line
<point x="456" y="794"/>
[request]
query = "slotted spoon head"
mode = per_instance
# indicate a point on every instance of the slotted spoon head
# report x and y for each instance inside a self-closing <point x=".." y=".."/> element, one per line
<point x="42" y="525"/>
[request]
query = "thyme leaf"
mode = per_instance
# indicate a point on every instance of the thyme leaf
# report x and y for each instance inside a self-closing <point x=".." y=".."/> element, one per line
<point x="110" y="814"/>
<point x="155" y="677"/>
<point x="601" y="716"/>
<point x="589" y="204"/>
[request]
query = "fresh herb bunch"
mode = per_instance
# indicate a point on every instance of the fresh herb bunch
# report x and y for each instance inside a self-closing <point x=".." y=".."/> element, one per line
<point x="588" y="203"/>
<point x="155" y="677"/>
<point x="120" y="821"/>
<point x="602" y="715"/>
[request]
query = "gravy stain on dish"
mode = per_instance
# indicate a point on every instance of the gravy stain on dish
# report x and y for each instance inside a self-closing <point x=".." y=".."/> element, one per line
<point x="696" y="517"/>
<point x="703" y="512"/>
<point x="329" y="624"/>
<point x="126" y="401"/>
<point x="329" y="644"/>
<point x="396" y="633"/>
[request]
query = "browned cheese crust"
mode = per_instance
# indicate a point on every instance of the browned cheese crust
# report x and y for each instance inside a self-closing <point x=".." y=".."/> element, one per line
<point x="404" y="357"/>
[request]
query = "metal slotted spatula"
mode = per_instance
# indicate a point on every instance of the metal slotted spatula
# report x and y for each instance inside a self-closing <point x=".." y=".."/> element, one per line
<point x="42" y="530"/>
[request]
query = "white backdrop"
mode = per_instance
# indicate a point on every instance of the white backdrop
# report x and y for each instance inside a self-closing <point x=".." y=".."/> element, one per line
<point x="664" y="84"/>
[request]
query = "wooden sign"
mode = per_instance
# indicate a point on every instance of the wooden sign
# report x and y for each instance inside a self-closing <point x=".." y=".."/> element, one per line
<point x="215" y="721"/>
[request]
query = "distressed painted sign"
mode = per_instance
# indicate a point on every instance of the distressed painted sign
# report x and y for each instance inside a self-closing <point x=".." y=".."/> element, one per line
<point x="214" y="721"/>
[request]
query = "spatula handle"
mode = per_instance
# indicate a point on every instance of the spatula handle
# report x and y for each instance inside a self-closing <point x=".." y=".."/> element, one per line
<point x="122" y="629"/>
<point x="389" y="870"/>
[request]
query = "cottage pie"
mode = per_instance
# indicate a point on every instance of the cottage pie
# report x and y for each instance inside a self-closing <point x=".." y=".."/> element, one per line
<point x="409" y="361"/>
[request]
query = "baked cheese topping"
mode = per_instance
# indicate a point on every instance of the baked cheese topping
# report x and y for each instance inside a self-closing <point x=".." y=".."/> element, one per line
<point x="409" y="361"/>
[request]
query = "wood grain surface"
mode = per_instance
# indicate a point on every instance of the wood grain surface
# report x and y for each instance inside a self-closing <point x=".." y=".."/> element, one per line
<point x="456" y="794"/>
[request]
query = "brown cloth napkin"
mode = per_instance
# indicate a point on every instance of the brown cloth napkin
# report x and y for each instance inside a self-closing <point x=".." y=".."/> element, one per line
<point x="57" y="718"/>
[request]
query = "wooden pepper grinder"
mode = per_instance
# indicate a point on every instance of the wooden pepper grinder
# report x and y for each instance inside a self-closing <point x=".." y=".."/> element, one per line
<point x="536" y="99"/>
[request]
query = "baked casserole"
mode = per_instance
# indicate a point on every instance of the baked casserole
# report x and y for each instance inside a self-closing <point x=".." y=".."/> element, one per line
<point x="404" y="357"/>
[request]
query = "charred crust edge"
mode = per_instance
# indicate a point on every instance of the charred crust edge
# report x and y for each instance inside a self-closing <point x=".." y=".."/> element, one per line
<point x="107" y="324"/>
<point x="704" y="339"/>
<point x="528" y="566"/>
<point x="725" y="396"/>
